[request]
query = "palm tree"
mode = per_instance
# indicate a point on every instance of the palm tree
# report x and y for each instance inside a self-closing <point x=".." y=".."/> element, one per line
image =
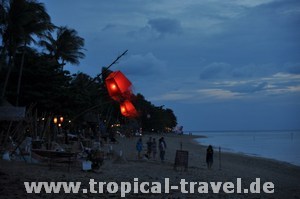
<point x="66" y="47"/>
<point x="20" y="21"/>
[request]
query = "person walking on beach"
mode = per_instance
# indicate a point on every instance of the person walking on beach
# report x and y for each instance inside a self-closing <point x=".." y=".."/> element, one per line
<point x="162" y="149"/>
<point x="149" y="147"/>
<point x="154" y="148"/>
<point x="139" y="147"/>
<point x="209" y="156"/>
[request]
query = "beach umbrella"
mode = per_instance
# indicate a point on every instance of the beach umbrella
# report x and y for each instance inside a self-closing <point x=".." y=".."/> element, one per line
<point x="128" y="109"/>
<point x="118" y="86"/>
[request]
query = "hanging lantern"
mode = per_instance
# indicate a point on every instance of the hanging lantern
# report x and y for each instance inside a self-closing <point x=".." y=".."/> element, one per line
<point x="118" y="85"/>
<point x="128" y="109"/>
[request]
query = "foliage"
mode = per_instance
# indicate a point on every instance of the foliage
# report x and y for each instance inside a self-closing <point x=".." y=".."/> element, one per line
<point x="20" y="20"/>
<point x="66" y="47"/>
<point x="155" y="118"/>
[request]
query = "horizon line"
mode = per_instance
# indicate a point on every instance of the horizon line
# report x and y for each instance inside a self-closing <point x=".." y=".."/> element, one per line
<point x="261" y="130"/>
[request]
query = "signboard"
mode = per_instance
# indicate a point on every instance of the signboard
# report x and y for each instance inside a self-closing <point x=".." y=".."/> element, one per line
<point x="10" y="113"/>
<point x="181" y="159"/>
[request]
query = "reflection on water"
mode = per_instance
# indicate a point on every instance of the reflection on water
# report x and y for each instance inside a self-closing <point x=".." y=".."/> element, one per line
<point x="278" y="145"/>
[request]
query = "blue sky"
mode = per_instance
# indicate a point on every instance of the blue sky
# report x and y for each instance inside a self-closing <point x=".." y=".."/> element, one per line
<point x="220" y="65"/>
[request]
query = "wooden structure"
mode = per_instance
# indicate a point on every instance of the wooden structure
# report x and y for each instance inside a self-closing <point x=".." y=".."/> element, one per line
<point x="181" y="159"/>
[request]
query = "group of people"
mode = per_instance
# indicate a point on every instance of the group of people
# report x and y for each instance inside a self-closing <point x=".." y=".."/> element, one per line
<point x="152" y="150"/>
<point x="152" y="147"/>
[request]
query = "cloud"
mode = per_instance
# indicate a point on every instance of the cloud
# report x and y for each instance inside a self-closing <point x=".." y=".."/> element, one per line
<point x="278" y="84"/>
<point x="251" y="88"/>
<point x="293" y="68"/>
<point x="140" y="65"/>
<point x="109" y="27"/>
<point x="254" y="70"/>
<point x="199" y="95"/>
<point x="165" y="25"/>
<point x="223" y="70"/>
<point x="218" y="94"/>
<point x="283" y="78"/>
<point x="157" y="28"/>
<point x="252" y="3"/>
<point x="175" y="96"/>
<point x="215" y="70"/>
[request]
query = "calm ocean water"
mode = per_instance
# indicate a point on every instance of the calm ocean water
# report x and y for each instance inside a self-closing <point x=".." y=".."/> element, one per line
<point x="278" y="145"/>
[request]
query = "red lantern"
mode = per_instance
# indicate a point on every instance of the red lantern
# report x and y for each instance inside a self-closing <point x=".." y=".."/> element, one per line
<point x="128" y="109"/>
<point x="118" y="85"/>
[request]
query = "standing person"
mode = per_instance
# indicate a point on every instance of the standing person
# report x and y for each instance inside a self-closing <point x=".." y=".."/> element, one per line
<point x="149" y="147"/>
<point x="139" y="147"/>
<point x="162" y="148"/>
<point x="154" y="148"/>
<point x="209" y="156"/>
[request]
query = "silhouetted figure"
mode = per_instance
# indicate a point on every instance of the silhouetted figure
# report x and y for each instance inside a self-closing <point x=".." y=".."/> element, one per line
<point x="139" y="147"/>
<point x="209" y="156"/>
<point x="149" y="147"/>
<point x="154" y="148"/>
<point x="162" y="148"/>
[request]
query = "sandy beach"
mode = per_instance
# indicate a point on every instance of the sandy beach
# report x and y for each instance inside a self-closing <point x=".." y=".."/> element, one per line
<point x="286" y="177"/>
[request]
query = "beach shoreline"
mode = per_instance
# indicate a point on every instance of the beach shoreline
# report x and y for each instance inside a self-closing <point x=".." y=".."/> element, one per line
<point x="275" y="145"/>
<point x="232" y="152"/>
<point x="286" y="177"/>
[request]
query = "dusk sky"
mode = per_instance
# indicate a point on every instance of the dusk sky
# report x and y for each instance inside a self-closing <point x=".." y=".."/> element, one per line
<point x="219" y="65"/>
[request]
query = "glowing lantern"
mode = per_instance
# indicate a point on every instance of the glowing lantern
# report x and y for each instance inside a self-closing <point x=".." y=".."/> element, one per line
<point x="118" y="85"/>
<point x="128" y="109"/>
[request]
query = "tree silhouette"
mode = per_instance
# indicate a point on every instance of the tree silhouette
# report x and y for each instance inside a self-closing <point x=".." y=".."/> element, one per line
<point x="20" y="21"/>
<point x="67" y="46"/>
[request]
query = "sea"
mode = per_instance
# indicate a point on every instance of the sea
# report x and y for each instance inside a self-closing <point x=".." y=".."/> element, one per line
<point x="278" y="145"/>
